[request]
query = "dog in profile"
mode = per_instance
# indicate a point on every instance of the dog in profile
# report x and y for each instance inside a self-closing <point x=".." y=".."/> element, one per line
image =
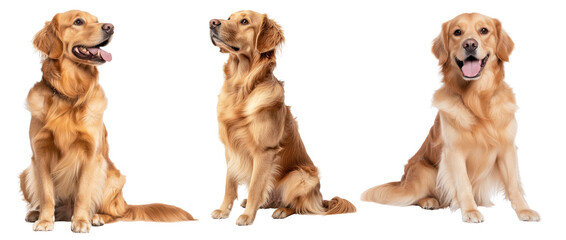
<point x="470" y="151"/>
<point x="71" y="177"/>
<point x="263" y="147"/>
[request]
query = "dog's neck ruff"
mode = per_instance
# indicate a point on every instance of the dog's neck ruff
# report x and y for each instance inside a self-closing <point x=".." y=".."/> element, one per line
<point x="56" y="92"/>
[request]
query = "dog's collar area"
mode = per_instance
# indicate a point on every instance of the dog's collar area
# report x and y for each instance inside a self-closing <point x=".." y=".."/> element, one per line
<point x="55" y="91"/>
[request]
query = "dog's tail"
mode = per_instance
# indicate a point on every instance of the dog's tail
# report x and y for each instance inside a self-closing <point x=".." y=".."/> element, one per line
<point x="114" y="207"/>
<point x="338" y="205"/>
<point x="155" y="212"/>
<point x="393" y="193"/>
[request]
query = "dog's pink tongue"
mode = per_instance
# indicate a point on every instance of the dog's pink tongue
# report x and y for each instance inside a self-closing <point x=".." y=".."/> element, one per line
<point x="471" y="68"/>
<point x="108" y="57"/>
<point x="104" y="54"/>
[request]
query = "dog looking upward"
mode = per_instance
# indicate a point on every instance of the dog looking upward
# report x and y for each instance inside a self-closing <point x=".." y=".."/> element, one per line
<point x="263" y="146"/>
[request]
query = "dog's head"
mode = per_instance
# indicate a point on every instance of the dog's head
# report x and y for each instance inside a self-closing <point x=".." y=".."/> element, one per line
<point x="471" y="42"/>
<point x="246" y="32"/>
<point x="75" y="35"/>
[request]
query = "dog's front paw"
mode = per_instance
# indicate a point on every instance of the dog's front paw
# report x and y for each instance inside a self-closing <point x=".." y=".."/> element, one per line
<point x="80" y="226"/>
<point x="43" y="225"/>
<point x="472" y="216"/>
<point x="220" y="214"/>
<point x="528" y="215"/>
<point x="244" y="220"/>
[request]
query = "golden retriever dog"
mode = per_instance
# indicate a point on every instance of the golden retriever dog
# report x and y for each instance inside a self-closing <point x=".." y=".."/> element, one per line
<point x="263" y="147"/>
<point x="470" y="152"/>
<point x="71" y="177"/>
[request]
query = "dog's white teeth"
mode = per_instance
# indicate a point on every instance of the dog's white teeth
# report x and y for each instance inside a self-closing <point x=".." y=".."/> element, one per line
<point x="84" y="50"/>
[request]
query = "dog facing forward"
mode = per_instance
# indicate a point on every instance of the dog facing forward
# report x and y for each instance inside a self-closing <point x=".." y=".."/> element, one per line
<point x="262" y="144"/>
<point x="71" y="177"/>
<point x="470" y="152"/>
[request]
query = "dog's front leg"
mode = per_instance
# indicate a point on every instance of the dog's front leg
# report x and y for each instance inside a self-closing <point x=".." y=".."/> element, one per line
<point x="230" y="194"/>
<point x="509" y="171"/>
<point x="45" y="155"/>
<point x="84" y="150"/>
<point x="453" y="164"/>
<point x="260" y="181"/>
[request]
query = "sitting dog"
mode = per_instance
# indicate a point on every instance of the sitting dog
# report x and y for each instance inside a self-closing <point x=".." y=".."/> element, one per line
<point x="71" y="177"/>
<point x="470" y="151"/>
<point x="263" y="146"/>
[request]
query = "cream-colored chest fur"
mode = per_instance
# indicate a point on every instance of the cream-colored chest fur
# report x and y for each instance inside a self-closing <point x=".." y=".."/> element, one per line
<point x="461" y="127"/>
<point x="478" y="141"/>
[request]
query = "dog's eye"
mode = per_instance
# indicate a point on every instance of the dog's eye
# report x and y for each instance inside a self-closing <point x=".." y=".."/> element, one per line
<point x="228" y="19"/>
<point x="78" y="22"/>
<point x="457" y="32"/>
<point x="484" y="31"/>
<point x="244" y="22"/>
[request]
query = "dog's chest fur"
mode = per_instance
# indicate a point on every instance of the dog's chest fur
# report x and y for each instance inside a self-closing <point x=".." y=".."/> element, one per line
<point x="67" y="124"/>
<point x="238" y="112"/>
<point x="460" y="126"/>
<point x="479" y="140"/>
<point x="234" y="134"/>
<point x="65" y="120"/>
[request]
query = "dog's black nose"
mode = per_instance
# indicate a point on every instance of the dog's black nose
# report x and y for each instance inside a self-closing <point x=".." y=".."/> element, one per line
<point x="214" y="23"/>
<point x="108" y="28"/>
<point x="470" y="45"/>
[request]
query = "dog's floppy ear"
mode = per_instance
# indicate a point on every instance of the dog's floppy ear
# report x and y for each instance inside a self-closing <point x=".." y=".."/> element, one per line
<point x="270" y="35"/>
<point x="47" y="40"/>
<point x="504" y="43"/>
<point x="440" y="44"/>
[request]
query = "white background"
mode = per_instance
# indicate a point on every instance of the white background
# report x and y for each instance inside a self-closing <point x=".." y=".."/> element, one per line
<point x="360" y="78"/>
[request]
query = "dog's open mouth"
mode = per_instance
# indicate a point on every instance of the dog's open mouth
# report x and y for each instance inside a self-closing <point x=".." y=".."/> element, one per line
<point x="216" y="40"/>
<point x="471" y="67"/>
<point x="95" y="53"/>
